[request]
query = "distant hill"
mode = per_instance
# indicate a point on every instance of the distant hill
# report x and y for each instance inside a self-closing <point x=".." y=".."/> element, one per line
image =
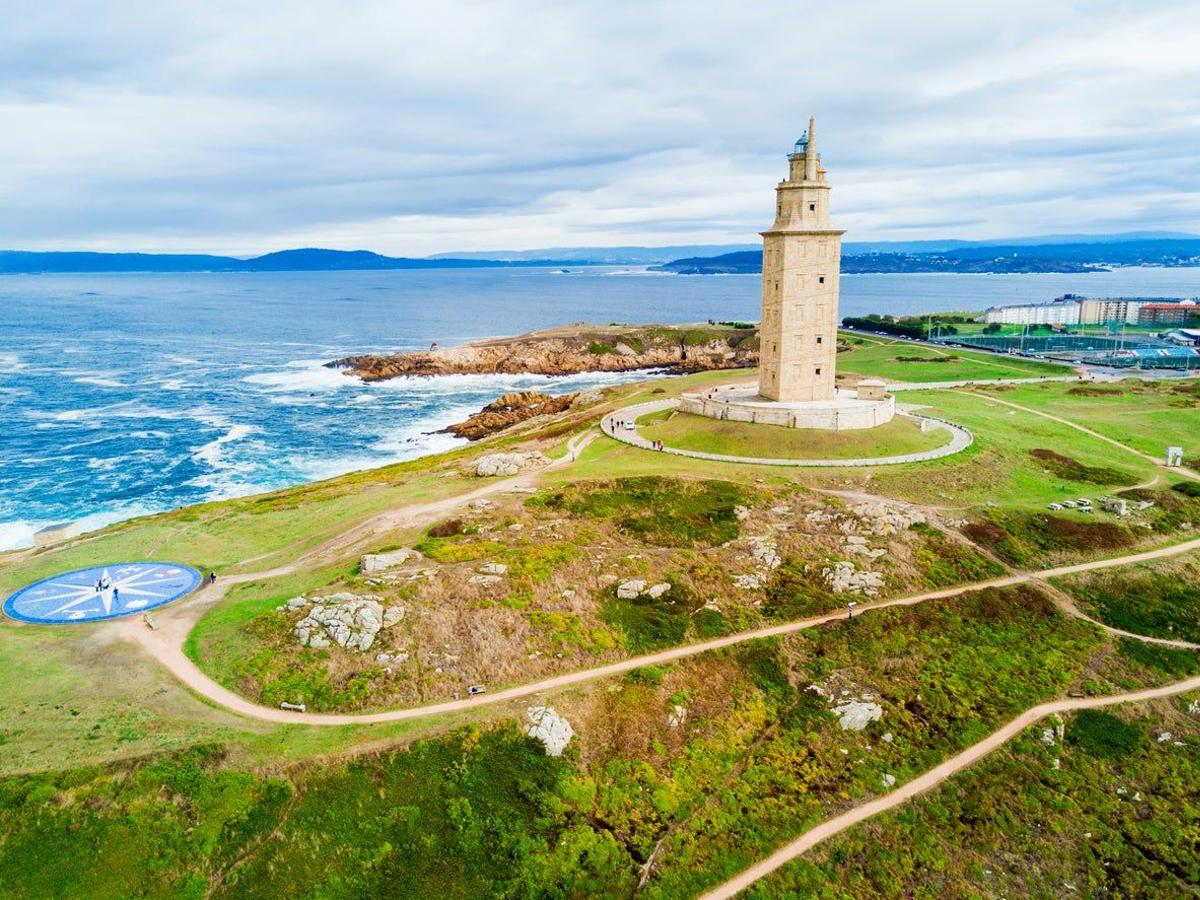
<point x="1062" y="253"/>
<point x="992" y="258"/>
<point x="644" y="256"/>
<point x="304" y="260"/>
<point x="602" y="256"/>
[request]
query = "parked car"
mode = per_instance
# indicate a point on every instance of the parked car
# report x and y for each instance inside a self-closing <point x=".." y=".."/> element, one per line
<point x="475" y="689"/>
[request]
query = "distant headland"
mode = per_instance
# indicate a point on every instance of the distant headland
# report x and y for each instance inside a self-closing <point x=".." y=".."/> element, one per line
<point x="1093" y="256"/>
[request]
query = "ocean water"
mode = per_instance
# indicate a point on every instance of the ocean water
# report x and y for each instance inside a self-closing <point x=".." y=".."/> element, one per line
<point x="127" y="394"/>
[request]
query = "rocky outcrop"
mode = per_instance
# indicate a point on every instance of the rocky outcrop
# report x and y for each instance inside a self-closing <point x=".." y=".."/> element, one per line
<point x="508" y="410"/>
<point x="379" y="562"/>
<point x="508" y="464"/>
<point x="637" y="587"/>
<point x="348" y="620"/>
<point x="570" y="351"/>
<point x="843" y="578"/>
<point x="544" y="724"/>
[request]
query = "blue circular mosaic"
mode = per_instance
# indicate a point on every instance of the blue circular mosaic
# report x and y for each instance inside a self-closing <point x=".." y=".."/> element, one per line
<point x="102" y="592"/>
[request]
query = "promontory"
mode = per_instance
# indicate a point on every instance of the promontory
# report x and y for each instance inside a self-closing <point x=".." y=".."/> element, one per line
<point x="572" y="349"/>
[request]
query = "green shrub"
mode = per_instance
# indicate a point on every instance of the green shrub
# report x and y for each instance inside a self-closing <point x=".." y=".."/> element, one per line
<point x="945" y="562"/>
<point x="794" y="593"/>
<point x="1073" y="470"/>
<point x="1103" y="735"/>
<point x="1188" y="488"/>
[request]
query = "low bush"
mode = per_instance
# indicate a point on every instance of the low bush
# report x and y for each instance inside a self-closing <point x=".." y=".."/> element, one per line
<point x="1024" y="538"/>
<point x="1102" y="734"/>
<point x="449" y="528"/>
<point x="1073" y="470"/>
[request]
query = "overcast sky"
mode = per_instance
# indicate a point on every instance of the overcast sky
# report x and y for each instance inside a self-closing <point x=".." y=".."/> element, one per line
<point x="413" y="128"/>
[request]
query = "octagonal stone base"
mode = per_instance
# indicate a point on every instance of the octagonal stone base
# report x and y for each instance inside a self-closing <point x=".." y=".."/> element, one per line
<point x="742" y="403"/>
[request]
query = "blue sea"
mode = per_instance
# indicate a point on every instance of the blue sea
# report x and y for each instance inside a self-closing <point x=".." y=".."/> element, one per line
<point x="128" y="394"/>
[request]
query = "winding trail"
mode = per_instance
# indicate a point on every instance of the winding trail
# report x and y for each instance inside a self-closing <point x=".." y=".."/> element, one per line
<point x="166" y="644"/>
<point x="931" y="779"/>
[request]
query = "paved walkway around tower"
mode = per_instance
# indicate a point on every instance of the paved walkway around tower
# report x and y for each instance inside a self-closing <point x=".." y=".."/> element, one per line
<point x="960" y="439"/>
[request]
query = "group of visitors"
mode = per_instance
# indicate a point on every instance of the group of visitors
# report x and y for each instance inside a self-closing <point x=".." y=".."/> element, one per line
<point x="658" y="445"/>
<point x="104" y="583"/>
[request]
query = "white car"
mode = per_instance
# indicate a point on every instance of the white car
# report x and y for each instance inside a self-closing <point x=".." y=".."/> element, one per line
<point x="1055" y="506"/>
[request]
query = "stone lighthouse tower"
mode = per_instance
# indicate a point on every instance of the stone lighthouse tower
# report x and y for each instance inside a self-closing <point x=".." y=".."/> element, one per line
<point x="801" y="256"/>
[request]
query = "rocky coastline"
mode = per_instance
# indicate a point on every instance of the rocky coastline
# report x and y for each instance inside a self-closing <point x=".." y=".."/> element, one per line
<point x="573" y="350"/>
<point x="508" y="410"/>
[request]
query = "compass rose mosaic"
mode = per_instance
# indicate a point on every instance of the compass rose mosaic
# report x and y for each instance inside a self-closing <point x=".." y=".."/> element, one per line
<point x="102" y="592"/>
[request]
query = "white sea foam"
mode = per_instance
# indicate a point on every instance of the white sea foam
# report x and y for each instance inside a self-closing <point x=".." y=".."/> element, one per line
<point x="459" y="385"/>
<point x="302" y="375"/>
<point x="10" y="362"/>
<point x="17" y="535"/>
<point x="212" y="453"/>
<point x="99" y="381"/>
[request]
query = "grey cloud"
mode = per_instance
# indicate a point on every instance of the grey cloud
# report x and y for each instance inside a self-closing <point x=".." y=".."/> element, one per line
<point x="409" y="129"/>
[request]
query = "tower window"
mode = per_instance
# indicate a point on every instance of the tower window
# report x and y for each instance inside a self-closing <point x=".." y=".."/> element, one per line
<point x="818" y="370"/>
<point x="821" y="279"/>
<point x="818" y="341"/>
<point x="812" y="207"/>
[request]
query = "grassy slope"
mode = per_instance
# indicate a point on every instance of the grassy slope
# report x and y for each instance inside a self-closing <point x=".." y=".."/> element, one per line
<point x="998" y="467"/>
<point x="877" y="357"/>
<point x="689" y="432"/>
<point x="268" y="529"/>
<point x="1146" y="415"/>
